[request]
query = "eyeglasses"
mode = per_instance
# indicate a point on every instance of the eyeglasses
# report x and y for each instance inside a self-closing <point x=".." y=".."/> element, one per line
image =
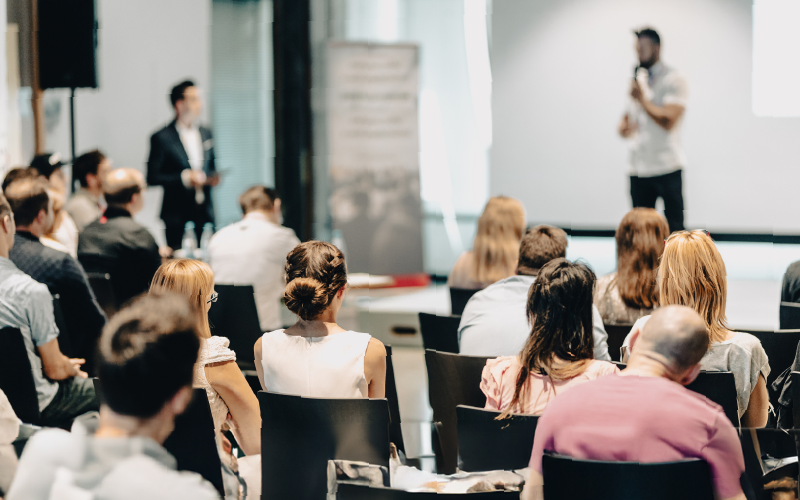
<point x="214" y="297"/>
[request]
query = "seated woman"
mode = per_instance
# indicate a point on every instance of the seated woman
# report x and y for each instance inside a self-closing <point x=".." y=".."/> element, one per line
<point x="693" y="274"/>
<point x="559" y="352"/>
<point x="231" y="398"/>
<point x="630" y="293"/>
<point x="496" y="246"/>
<point x="316" y="357"/>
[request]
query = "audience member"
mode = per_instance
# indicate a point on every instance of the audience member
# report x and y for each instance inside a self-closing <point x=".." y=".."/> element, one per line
<point x="558" y="353"/>
<point x="630" y="293"/>
<point x="63" y="275"/>
<point x="230" y="396"/>
<point x="117" y="244"/>
<point x="494" y="322"/>
<point x="48" y="239"/>
<point x="61" y="387"/>
<point x="253" y="252"/>
<point x="9" y="431"/>
<point x="790" y="288"/>
<point x="64" y="230"/>
<point x="316" y="357"/>
<point x="18" y="173"/>
<point x="85" y="205"/>
<point x="643" y="414"/>
<point x="495" y="248"/>
<point x="693" y="274"/>
<point x="145" y="362"/>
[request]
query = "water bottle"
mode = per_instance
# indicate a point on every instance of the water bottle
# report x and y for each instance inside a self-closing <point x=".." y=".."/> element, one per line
<point x="205" y="240"/>
<point x="189" y="243"/>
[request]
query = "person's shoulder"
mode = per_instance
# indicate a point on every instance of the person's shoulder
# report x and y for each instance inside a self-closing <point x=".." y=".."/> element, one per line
<point x="793" y="271"/>
<point x="605" y="281"/>
<point x="501" y="364"/>
<point x="163" y="132"/>
<point x="53" y="446"/>
<point x="598" y="368"/>
<point x="746" y="341"/>
<point x="141" y="476"/>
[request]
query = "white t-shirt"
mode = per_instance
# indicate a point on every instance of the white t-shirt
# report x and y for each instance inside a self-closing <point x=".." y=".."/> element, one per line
<point x="253" y="252"/>
<point x="653" y="149"/>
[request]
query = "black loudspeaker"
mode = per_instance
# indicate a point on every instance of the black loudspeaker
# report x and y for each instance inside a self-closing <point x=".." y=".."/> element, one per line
<point x="67" y="44"/>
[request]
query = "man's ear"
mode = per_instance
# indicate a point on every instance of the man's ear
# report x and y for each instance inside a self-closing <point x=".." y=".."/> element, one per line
<point x="181" y="400"/>
<point x="690" y="375"/>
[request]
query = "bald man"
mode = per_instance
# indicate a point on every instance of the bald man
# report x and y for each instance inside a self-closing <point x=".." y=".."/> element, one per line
<point x="118" y="245"/>
<point x="644" y="414"/>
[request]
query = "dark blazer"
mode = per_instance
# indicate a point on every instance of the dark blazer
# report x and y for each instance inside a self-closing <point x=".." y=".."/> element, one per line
<point x="167" y="160"/>
<point x="118" y="245"/>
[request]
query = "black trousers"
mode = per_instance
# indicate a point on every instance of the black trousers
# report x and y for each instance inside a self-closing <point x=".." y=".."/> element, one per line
<point x="174" y="232"/>
<point x="646" y="190"/>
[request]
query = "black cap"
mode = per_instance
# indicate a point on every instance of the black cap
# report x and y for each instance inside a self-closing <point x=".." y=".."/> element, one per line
<point x="648" y="33"/>
<point x="47" y="163"/>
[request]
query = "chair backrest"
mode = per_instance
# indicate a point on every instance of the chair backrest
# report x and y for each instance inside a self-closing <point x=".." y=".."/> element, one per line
<point x="616" y="336"/>
<point x="780" y="346"/>
<point x="789" y="316"/>
<point x="193" y="443"/>
<point x="795" y="381"/>
<point x="299" y="435"/>
<point x="568" y="478"/>
<point x="439" y="333"/>
<point x="485" y="443"/>
<point x="16" y="376"/>
<point x="459" y="298"/>
<point x="350" y="491"/>
<point x="395" y="429"/>
<point x="235" y="316"/>
<point x="453" y="379"/>
<point x="719" y="387"/>
<point x="104" y="292"/>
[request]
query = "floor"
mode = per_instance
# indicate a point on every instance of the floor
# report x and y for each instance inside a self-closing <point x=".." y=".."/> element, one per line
<point x="754" y="271"/>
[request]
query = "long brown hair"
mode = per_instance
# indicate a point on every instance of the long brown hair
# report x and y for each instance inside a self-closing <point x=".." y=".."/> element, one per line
<point x="640" y="243"/>
<point x="560" y="313"/>
<point x="692" y="273"/>
<point x="190" y="278"/>
<point x="496" y="244"/>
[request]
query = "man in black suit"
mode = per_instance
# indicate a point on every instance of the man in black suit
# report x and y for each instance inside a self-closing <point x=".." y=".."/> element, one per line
<point x="118" y="245"/>
<point x="182" y="161"/>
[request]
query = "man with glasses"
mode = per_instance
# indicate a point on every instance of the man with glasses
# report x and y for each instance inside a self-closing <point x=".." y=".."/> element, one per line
<point x="182" y="161"/>
<point x="118" y="245"/>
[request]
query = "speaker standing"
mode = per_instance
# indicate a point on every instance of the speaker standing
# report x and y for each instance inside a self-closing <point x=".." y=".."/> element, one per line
<point x="182" y="160"/>
<point x="652" y="126"/>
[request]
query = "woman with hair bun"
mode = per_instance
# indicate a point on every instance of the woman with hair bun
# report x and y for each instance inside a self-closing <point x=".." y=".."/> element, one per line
<point x="316" y="357"/>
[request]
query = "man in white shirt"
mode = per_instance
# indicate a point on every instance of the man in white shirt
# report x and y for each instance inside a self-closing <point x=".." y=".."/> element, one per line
<point x="182" y="161"/>
<point x="253" y="252"/>
<point x="652" y="126"/>
<point x="495" y="322"/>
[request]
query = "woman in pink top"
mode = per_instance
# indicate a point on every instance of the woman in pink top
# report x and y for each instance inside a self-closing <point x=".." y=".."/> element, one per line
<point x="559" y="351"/>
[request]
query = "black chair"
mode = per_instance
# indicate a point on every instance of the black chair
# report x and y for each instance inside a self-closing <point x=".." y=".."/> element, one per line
<point x="789" y="316"/>
<point x="616" y="336"/>
<point x="780" y="346"/>
<point x="453" y="380"/>
<point x="795" y="381"/>
<point x="566" y="478"/>
<point x="299" y="436"/>
<point x="65" y="343"/>
<point x="16" y="376"/>
<point x="763" y="450"/>
<point x="192" y="442"/>
<point x="349" y="491"/>
<point x="104" y="292"/>
<point x="719" y="387"/>
<point x="488" y="444"/>
<point x="235" y="316"/>
<point x="395" y="429"/>
<point x="459" y="298"/>
<point x="439" y="333"/>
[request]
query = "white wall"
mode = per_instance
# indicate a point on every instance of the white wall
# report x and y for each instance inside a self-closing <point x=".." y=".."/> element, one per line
<point x="560" y="72"/>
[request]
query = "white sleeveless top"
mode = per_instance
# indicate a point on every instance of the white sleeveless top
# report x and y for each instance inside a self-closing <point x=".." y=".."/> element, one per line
<point x="319" y="367"/>
<point x="213" y="350"/>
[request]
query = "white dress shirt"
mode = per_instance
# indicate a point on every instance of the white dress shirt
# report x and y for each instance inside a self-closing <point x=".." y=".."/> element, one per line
<point x="253" y="252"/>
<point x="193" y="145"/>
<point x="653" y="149"/>
<point x="495" y="322"/>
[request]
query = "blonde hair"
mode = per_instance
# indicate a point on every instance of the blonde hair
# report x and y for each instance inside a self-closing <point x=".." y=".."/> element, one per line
<point x="190" y="278"/>
<point x="496" y="244"/>
<point x="693" y="274"/>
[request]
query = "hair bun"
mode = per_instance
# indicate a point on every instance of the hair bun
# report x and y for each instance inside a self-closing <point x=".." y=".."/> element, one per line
<point x="306" y="297"/>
